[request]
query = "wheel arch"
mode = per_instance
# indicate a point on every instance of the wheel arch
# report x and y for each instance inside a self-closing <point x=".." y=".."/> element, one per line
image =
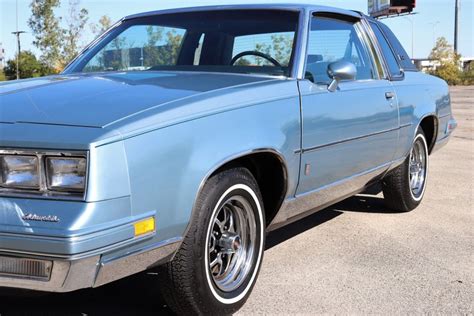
<point x="430" y="125"/>
<point x="262" y="164"/>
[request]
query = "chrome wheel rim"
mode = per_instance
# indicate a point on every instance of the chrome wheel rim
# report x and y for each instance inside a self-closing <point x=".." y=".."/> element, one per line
<point x="231" y="243"/>
<point x="417" y="171"/>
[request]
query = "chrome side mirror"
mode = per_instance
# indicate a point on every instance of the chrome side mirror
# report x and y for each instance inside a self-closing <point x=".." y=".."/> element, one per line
<point x="339" y="71"/>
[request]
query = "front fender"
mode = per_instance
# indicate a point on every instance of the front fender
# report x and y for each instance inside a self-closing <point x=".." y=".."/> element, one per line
<point x="167" y="166"/>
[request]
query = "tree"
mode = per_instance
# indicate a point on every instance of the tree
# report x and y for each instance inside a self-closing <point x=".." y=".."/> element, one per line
<point x="100" y="27"/>
<point x="58" y="45"/>
<point x="173" y="44"/>
<point x="45" y="27"/>
<point x="280" y="48"/>
<point x="160" y="51"/>
<point x="448" y="60"/>
<point x="29" y="67"/>
<point x="76" y="21"/>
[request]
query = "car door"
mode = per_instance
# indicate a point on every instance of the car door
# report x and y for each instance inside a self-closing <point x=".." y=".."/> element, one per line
<point x="354" y="130"/>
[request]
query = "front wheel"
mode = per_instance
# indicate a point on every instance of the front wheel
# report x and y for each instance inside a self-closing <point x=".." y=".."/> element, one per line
<point x="404" y="187"/>
<point x="217" y="265"/>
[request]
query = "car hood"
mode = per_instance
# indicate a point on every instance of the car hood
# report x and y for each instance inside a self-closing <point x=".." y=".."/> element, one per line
<point x="98" y="100"/>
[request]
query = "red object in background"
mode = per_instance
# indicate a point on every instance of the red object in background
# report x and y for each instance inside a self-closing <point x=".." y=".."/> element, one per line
<point x="379" y="8"/>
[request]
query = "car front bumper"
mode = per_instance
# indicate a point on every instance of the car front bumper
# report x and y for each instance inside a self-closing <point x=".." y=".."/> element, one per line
<point x="70" y="274"/>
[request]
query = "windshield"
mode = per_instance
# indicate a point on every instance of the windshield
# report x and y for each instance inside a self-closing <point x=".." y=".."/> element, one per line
<point x="234" y="41"/>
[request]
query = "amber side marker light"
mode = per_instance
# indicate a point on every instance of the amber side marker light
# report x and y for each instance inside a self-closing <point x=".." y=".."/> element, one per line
<point x="144" y="227"/>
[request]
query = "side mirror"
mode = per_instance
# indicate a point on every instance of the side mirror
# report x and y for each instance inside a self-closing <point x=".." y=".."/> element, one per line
<point x="339" y="71"/>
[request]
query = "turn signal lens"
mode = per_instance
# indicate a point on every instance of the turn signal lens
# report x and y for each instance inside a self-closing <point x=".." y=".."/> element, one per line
<point x="144" y="227"/>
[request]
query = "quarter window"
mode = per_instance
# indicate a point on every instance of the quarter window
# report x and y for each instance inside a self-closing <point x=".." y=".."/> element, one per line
<point x="333" y="40"/>
<point x="387" y="51"/>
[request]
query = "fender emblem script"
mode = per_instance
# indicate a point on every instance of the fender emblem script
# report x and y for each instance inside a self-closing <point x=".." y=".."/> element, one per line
<point x="39" y="218"/>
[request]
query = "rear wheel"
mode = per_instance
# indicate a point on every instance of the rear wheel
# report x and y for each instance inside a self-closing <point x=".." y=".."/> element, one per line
<point x="404" y="187"/>
<point x="217" y="266"/>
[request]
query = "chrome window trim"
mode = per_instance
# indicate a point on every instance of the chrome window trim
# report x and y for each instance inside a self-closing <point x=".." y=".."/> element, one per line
<point x="373" y="55"/>
<point x="43" y="192"/>
<point x="372" y="41"/>
<point x="360" y="29"/>
<point x="375" y="42"/>
<point x="301" y="49"/>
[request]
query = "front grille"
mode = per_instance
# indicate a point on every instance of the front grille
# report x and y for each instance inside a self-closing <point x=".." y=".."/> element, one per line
<point x="25" y="268"/>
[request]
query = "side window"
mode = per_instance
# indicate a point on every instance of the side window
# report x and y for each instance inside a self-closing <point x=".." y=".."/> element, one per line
<point x="387" y="51"/>
<point x="332" y="40"/>
<point x="402" y="54"/>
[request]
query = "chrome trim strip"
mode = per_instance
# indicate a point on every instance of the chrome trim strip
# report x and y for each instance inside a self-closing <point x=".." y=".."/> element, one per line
<point x="299" y="65"/>
<point x="304" y="204"/>
<point x="305" y="150"/>
<point x="43" y="192"/>
<point x="376" y="43"/>
<point x="445" y="115"/>
<point x="120" y="267"/>
<point x="83" y="255"/>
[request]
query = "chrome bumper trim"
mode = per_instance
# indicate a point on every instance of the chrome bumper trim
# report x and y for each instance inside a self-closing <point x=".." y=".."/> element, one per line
<point x="142" y="260"/>
<point x="72" y="275"/>
<point x="66" y="276"/>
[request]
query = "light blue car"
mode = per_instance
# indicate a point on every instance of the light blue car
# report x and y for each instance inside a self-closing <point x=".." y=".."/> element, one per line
<point x="179" y="138"/>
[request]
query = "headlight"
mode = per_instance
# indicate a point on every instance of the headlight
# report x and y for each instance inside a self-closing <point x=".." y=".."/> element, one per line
<point x="66" y="174"/>
<point x="19" y="171"/>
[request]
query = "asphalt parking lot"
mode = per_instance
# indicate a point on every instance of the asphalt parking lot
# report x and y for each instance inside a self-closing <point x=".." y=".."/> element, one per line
<point x="353" y="258"/>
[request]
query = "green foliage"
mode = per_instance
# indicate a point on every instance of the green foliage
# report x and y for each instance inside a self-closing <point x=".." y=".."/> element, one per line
<point x="76" y="22"/>
<point x="45" y="27"/>
<point x="166" y="54"/>
<point x="58" y="45"/>
<point x="282" y="46"/>
<point x="280" y="49"/>
<point x="448" y="60"/>
<point x="103" y="25"/>
<point x="467" y="77"/>
<point x="243" y="62"/>
<point x="30" y="67"/>
<point x="2" y="76"/>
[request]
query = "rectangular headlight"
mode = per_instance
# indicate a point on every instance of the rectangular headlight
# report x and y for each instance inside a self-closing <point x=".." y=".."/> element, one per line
<point x="19" y="172"/>
<point x="66" y="174"/>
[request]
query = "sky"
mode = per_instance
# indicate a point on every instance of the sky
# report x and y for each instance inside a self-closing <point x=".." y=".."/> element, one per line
<point x="434" y="18"/>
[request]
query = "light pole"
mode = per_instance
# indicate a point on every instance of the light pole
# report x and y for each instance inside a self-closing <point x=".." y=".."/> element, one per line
<point x="17" y="33"/>
<point x="412" y="36"/>
<point x="456" y="26"/>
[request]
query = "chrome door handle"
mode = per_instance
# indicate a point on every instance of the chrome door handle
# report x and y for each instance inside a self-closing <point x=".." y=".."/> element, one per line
<point x="389" y="95"/>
